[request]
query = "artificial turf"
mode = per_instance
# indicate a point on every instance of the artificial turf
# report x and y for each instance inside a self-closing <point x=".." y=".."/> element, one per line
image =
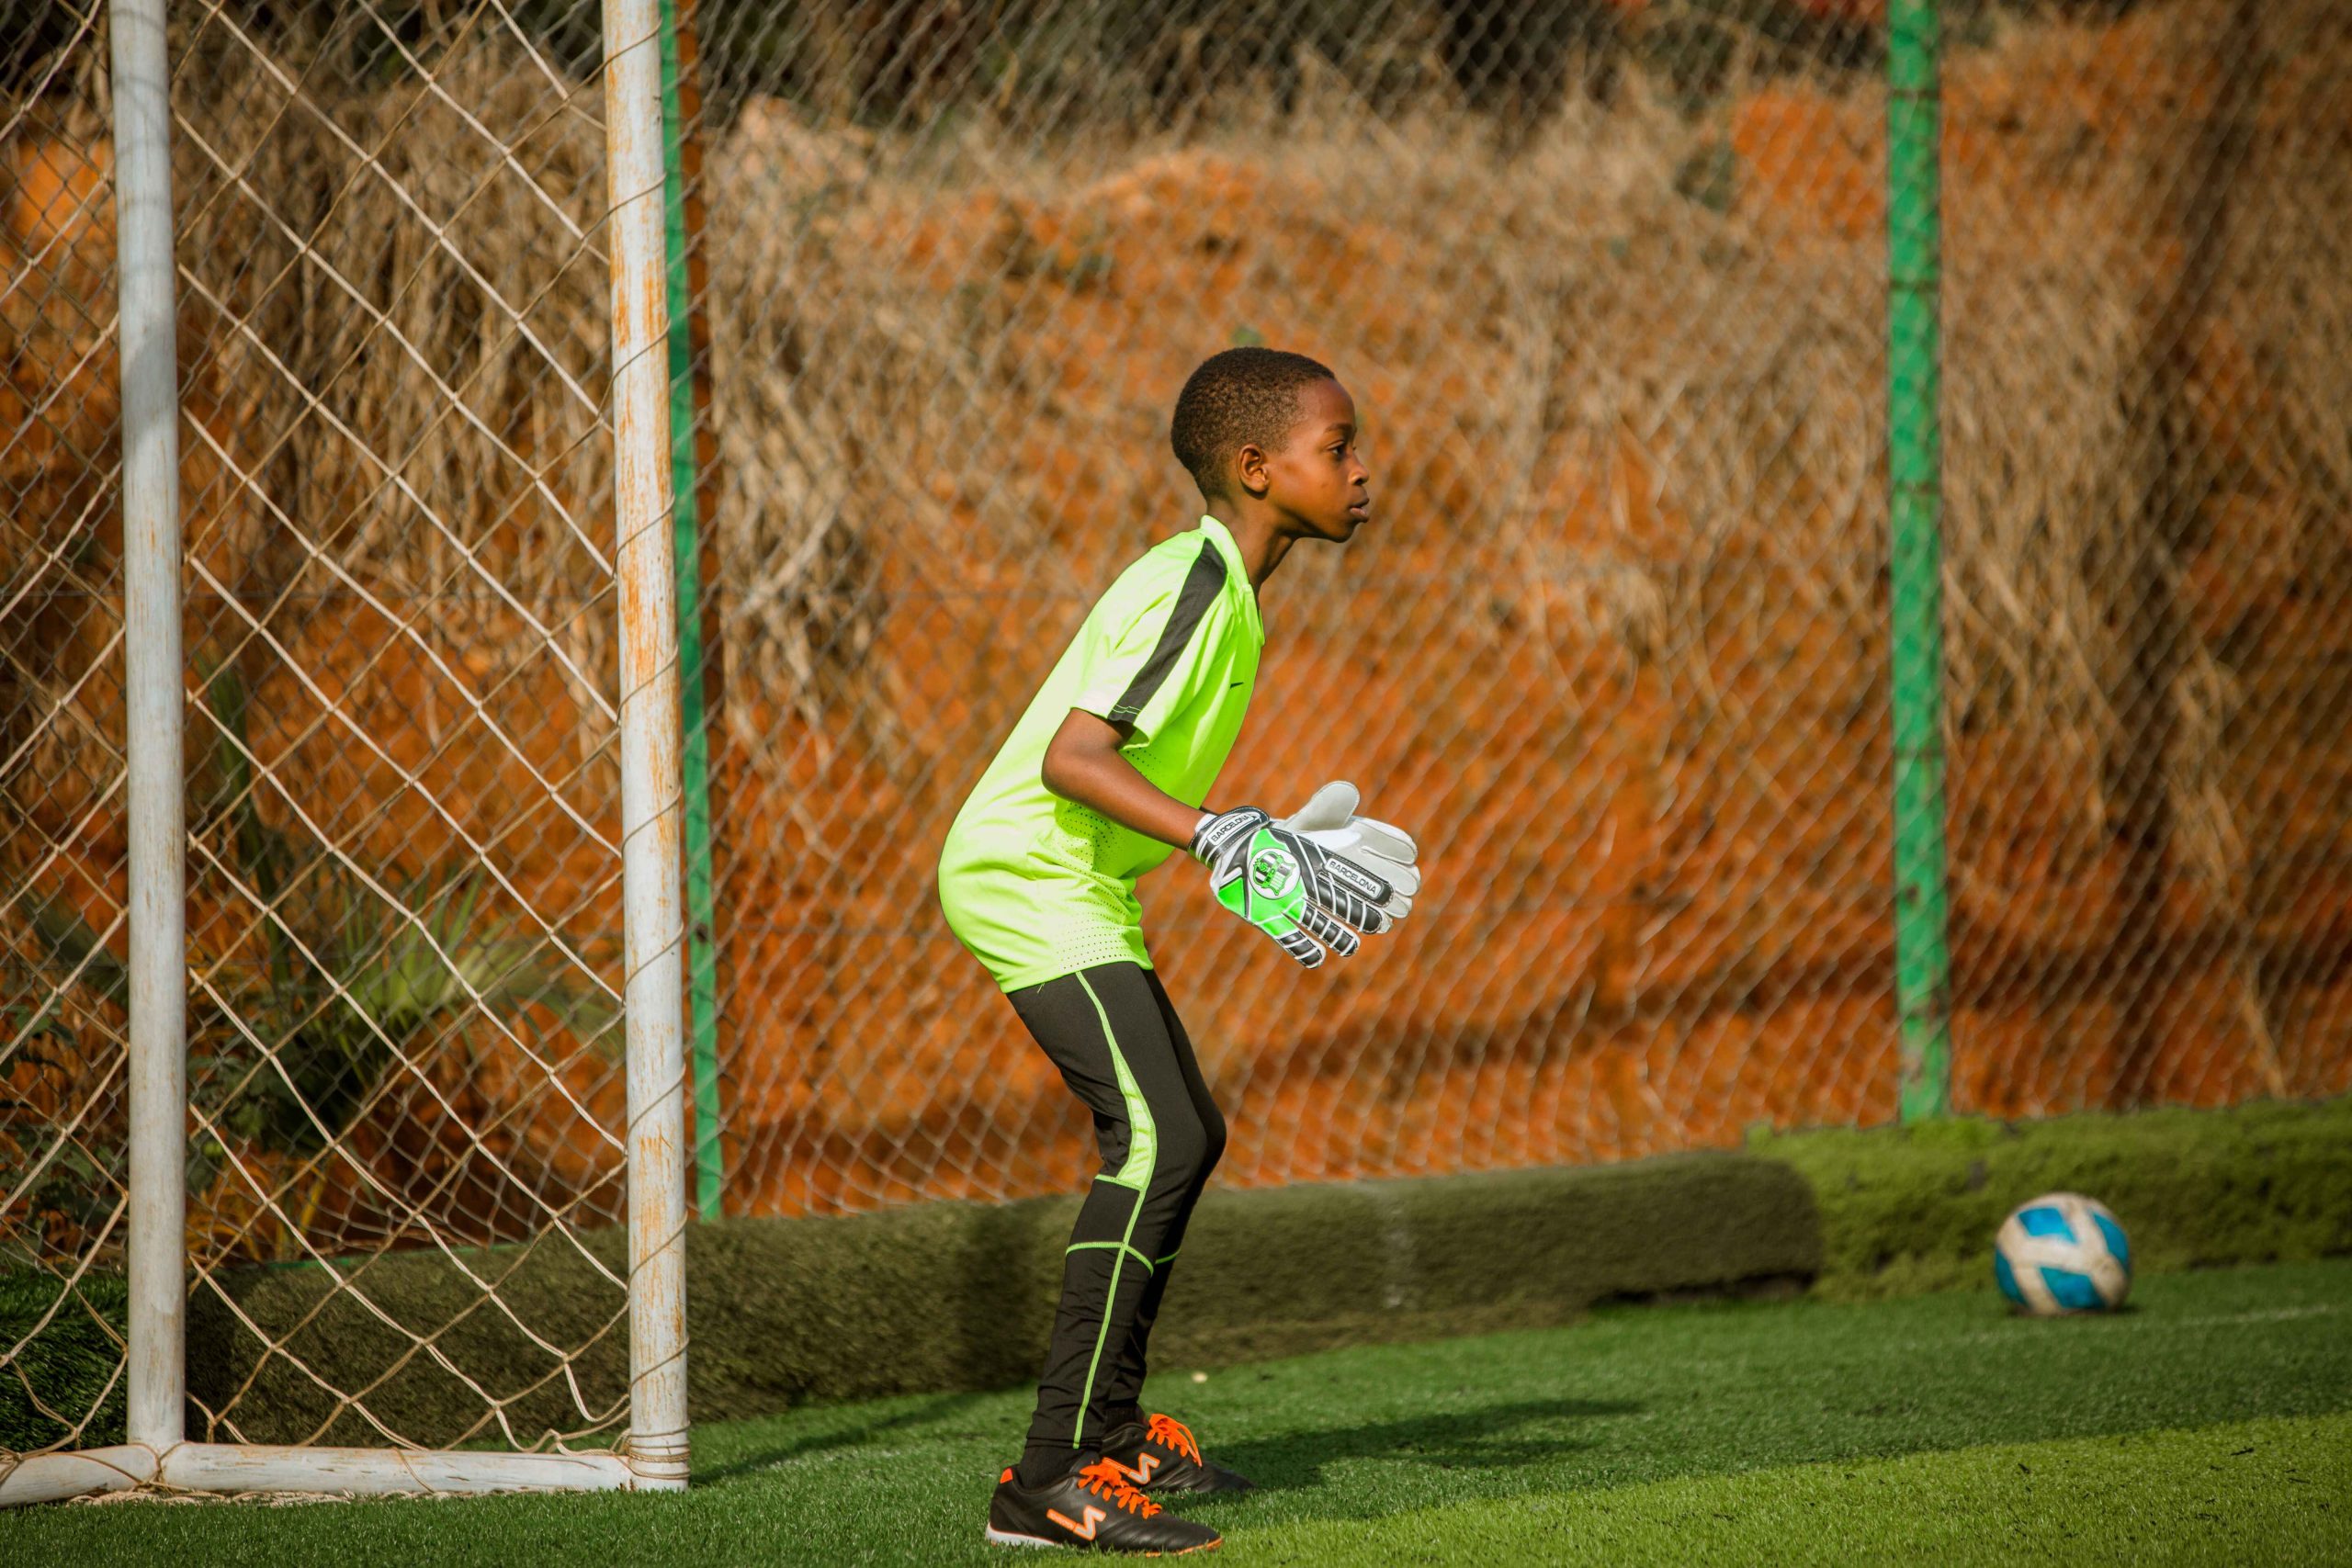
<point x="2246" y="1491"/>
<point x="2211" y="1422"/>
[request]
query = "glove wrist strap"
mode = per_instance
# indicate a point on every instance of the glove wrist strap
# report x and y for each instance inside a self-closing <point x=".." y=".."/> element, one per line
<point x="1217" y="831"/>
<point x="1200" y="827"/>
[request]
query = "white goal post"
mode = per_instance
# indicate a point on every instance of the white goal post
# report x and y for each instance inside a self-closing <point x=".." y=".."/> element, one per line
<point x="653" y="1453"/>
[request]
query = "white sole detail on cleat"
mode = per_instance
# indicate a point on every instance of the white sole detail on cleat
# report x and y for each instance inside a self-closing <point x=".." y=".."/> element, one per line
<point x="1006" y="1537"/>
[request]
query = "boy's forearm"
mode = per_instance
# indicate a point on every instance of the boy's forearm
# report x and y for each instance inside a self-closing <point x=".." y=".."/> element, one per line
<point x="1083" y="765"/>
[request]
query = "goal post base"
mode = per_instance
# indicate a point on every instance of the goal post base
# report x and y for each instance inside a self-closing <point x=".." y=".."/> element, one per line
<point x="359" y="1472"/>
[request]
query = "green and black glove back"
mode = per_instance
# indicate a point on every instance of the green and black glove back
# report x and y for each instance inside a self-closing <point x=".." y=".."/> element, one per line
<point x="1289" y="886"/>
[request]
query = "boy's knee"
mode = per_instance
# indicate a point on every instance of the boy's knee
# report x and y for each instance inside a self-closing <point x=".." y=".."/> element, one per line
<point x="1188" y="1147"/>
<point x="1212" y="1139"/>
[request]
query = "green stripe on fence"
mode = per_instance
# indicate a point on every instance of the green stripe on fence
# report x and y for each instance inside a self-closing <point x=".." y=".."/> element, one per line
<point x="1914" y="363"/>
<point x="701" y="956"/>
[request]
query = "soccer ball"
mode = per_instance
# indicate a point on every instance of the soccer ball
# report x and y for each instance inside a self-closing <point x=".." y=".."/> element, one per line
<point x="2062" y="1252"/>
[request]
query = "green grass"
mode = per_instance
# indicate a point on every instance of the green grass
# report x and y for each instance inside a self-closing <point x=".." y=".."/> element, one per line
<point x="2213" y="1422"/>
<point x="2216" y="1495"/>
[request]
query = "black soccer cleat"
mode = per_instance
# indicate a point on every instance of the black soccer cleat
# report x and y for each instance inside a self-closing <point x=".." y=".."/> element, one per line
<point x="1160" y="1455"/>
<point x="1095" y="1509"/>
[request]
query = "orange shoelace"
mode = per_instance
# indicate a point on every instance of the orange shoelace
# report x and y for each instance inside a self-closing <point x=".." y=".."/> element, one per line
<point x="1106" y="1480"/>
<point x="1169" y="1432"/>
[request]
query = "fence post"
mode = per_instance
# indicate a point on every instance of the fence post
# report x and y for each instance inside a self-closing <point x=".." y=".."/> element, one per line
<point x="152" y="714"/>
<point x="1915" y="245"/>
<point x="650" y="781"/>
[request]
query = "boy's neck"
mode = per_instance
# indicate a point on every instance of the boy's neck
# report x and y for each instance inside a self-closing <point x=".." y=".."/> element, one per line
<point x="1257" y="534"/>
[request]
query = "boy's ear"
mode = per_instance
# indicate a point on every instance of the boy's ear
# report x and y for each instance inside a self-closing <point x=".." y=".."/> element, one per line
<point x="1250" y="468"/>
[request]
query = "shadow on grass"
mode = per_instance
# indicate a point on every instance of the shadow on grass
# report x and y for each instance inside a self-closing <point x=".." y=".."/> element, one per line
<point x="1492" y="1437"/>
<point x="849" y="1434"/>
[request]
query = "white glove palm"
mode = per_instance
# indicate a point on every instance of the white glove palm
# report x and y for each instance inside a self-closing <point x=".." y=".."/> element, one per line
<point x="1329" y="819"/>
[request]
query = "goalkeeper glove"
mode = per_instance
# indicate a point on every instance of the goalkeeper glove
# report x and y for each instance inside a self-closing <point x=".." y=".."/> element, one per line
<point x="1330" y="821"/>
<point x="1288" y="886"/>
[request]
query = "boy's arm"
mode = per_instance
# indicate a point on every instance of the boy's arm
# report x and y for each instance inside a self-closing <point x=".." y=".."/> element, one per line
<point x="1083" y="765"/>
<point x="1304" y="912"/>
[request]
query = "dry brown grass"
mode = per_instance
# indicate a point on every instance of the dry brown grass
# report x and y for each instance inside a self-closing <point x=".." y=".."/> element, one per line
<point x="401" y="300"/>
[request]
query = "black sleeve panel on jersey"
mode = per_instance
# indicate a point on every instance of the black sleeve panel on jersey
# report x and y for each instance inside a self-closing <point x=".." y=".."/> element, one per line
<point x="1202" y="583"/>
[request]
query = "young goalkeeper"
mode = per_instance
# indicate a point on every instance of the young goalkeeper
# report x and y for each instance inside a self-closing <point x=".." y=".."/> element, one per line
<point x="1105" y="774"/>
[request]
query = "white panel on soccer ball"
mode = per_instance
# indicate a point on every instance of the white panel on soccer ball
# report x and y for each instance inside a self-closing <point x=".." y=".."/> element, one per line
<point x="2062" y="1253"/>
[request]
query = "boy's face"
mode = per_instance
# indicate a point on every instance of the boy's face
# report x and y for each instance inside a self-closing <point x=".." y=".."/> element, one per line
<point x="1318" y="476"/>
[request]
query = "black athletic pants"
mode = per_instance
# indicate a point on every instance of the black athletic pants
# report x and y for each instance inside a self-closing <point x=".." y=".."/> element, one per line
<point x="1122" y="1050"/>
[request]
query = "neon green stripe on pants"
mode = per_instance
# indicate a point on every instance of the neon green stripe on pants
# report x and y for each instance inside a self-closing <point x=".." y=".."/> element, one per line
<point x="1143" y="1148"/>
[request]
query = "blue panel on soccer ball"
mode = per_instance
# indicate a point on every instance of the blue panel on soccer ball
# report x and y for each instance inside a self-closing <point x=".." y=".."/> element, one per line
<point x="2008" y="1280"/>
<point x="2074" y="1292"/>
<point x="2116" y="1241"/>
<point x="2044" y="1222"/>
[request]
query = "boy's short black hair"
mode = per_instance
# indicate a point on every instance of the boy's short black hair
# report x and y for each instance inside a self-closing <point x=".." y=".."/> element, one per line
<point x="1242" y="397"/>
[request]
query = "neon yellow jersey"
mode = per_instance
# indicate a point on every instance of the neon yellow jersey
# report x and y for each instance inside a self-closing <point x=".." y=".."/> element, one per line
<point x="1039" y="887"/>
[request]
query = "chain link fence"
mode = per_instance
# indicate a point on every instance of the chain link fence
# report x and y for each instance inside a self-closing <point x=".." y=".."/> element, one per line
<point x="62" y="1090"/>
<point x="1608" y="281"/>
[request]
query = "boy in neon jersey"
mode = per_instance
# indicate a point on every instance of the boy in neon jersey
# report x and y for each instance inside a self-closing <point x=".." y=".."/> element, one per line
<point x="1104" y="776"/>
